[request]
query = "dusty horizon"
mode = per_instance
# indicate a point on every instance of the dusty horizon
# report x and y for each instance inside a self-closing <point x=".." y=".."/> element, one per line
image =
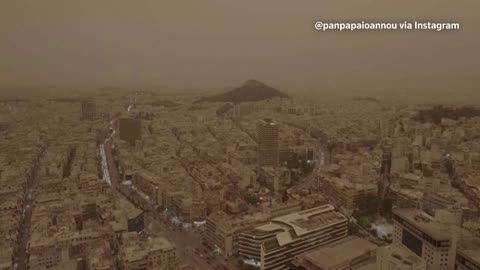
<point x="216" y="44"/>
<point x="239" y="135"/>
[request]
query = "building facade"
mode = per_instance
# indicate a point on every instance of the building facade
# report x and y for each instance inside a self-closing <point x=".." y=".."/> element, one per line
<point x="89" y="109"/>
<point x="428" y="239"/>
<point x="275" y="244"/>
<point x="268" y="149"/>
<point x="347" y="194"/>
<point x="156" y="253"/>
<point x="130" y="130"/>
<point x="222" y="231"/>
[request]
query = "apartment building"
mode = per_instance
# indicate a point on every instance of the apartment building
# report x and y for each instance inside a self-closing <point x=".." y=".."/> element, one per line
<point x="154" y="253"/>
<point x="188" y="209"/>
<point x="405" y="197"/>
<point x="146" y="184"/>
<point x="99" y="258"/>
<point x="223" y="231"/>
<point x="130" y="130"/>
<point x="276" y="243"/>
<point x="346" y="193"/>
<point x="433" y="241"/>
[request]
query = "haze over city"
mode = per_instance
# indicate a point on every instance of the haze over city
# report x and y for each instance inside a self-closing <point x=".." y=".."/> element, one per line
<point x="215" y="44"/>
<point x="239" y="135"/>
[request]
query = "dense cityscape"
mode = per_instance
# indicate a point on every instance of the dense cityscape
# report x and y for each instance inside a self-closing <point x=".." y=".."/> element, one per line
<point x="239" y="135"/>
<point x="247" y="179"/>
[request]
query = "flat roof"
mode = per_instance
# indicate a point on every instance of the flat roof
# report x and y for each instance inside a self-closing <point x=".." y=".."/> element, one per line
<point x="232" y="223"/>
<point x="339" y="252"/>
<point x="268" y="121"/>
<point x="311" y="219"/>
<point x="289" y="226"/>
<point x="135" y="249"/>
<point x="398" y="254"/>
<point x="469" y="246"/>
<point x="424" y="222"/>
<point x="345" y="183"/>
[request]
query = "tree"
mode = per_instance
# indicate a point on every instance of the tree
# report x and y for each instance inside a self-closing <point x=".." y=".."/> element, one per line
<point x="352" y="228"/>
<point x="252" y="199"/>
<point x="368" y="205"/>
<point x="386" y="208"/>
<point x="364" y="222"/>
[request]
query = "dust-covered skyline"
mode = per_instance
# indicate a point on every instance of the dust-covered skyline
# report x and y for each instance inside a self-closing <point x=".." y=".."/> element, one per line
<point x="212" y="43"/>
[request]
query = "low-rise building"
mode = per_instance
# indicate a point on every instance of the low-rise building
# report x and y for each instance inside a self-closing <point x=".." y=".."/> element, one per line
<point x="468" y="253"/>
<point x="397" y="257"/>
<point x="222" y="231"/>
<point x="349" y="253"/>
<point x="405" y="197"/>
<point x="346" y="193"/>
<point x="150" y="254"/>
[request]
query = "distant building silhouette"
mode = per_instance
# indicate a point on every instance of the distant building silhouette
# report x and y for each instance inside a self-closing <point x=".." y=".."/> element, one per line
<point x="268" y="152"/>
<point x="89" y="109"/>
<point x="130" y="130"/>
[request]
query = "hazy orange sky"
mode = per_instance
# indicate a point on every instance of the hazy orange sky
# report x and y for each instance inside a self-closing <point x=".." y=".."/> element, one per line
<point x="216" y="43"/>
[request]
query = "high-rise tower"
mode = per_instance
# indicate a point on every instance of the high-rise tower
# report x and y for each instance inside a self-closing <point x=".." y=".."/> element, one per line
<point x="89" y="109"/>
<point x="267" y="130"/>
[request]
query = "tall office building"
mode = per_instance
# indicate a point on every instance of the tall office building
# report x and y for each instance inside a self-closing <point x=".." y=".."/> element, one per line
<point x="268" y="152"/>
<point x="433" y="241"/>
<point x="275" y="244"/>
<point x="89" y="109"/>
<point x="130" y="130"/>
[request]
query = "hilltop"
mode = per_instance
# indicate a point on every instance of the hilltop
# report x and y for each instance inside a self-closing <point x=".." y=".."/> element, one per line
<point x="251" y="90"/>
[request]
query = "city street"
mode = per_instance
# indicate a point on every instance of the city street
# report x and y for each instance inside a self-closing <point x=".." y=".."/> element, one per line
<point x="21" y="258"/>
<point x="188" y="242"/>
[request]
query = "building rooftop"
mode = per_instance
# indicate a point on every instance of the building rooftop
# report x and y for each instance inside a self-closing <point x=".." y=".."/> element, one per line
<point x="268" y="121"/>
<point x="298" y="224"/>
<point x="135" y="249"/>
<point x="469" y="246"/>
<point x="230" y="224"/>
<point x="349" y="184"/>
<point x="311" y="219"/>
<point x="339" y="252"/>
<point x="424" y="222"/>
<point x="399" y="255"/>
